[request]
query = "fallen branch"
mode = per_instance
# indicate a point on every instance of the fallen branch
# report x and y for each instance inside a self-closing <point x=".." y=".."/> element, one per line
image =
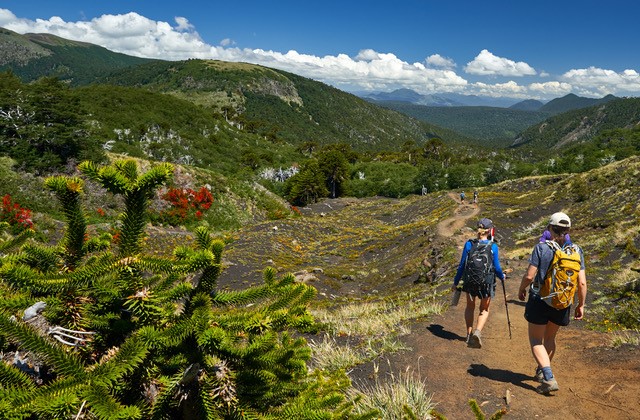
<point x="598" y="402"/>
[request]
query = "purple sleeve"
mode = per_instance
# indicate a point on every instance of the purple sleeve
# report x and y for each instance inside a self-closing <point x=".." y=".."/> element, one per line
<point x="546" y="236"/>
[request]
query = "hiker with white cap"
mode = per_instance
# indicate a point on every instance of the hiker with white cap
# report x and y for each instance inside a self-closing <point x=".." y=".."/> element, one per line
<point x="477" y="271"/>
<point x="556" y="273"/>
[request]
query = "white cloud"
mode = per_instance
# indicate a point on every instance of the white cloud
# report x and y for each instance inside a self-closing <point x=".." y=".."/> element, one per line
<point x="6" y="17"/>
<point x="550" y="89"/>
<point x="602" y="81"/>
<point x="367" y="55"/>
<point x="487" y="64"/>
<point x="183" y="24"/>
<point x="137" y="35"/>
<point x="227" y="42"/>
<point x="510" y="89"/>
<point x="129" y="33"/>
<point x="436" y="60"/>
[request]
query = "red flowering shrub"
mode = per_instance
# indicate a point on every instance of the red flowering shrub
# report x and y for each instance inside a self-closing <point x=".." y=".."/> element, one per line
<point x="18" y="218"/>
<point x="185" y="205"/>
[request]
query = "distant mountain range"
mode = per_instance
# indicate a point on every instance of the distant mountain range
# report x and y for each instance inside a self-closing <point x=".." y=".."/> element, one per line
<point x="555" y="106"/>
<point x="438" y="99"/>
<point x="465" y="116"/>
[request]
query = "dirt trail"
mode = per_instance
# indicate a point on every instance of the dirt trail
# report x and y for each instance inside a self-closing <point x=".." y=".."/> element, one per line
<point x="450" y="226"/>
<point x="596" y="381"/>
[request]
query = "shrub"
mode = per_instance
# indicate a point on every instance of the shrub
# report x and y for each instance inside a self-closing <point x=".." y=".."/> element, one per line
<point x="627" y="313"/>
<point x="148" y="336"/>
<point x="18" y="218"/>
<point x="186" y="205"/>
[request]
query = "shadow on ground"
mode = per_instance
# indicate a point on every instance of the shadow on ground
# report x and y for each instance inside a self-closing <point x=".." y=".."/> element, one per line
<point x="501" y="375"/>
<point x="439" y="331"/>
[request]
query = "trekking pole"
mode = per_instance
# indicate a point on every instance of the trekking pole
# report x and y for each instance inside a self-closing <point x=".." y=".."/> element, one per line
<point x="504" y="291"/>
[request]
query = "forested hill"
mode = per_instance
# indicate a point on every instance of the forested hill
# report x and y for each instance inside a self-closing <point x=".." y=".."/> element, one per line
<point x="32" y="56"/>
<point x="580" y="126"/>
<point x="282" y="105"/>
<point x="570" y="102"/>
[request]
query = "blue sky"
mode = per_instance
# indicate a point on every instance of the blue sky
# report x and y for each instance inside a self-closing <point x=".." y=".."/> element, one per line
<point x="543" y="49"/>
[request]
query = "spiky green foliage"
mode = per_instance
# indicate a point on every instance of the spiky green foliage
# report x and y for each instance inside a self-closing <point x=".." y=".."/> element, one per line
<point x="151" y="337"/>
<point x="68" y="191"/>
<point x="477" y="411"/>
<point x="122" y="178"/>
<point x="9" y="242"/>
<point x="308" y="405"/>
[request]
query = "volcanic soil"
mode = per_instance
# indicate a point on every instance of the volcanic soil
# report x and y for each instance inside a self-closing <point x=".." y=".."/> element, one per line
<point x="597" y="381"/>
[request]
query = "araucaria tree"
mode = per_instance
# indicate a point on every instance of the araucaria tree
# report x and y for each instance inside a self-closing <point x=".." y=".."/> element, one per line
<point x="112" y="332"/>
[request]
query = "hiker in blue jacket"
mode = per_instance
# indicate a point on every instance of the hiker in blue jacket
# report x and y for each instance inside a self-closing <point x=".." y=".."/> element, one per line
<point x="483" y="292"/>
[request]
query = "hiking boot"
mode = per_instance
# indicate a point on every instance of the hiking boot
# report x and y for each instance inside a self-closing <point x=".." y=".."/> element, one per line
<point x="474" y="340"/>
<point x="546" y="387"/>
<point x="539" y="376"/>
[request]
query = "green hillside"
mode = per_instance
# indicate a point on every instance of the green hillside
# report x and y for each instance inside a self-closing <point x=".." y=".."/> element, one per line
<point x="282" y="105"/>
<point x="32" y="56"/>
<point x="528" y="105"/>
<point x="580" y="126"/>
<point x="162" y="127"/>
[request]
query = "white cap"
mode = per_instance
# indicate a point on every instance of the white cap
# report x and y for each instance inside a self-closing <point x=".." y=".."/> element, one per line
<point x="560" y="219"/>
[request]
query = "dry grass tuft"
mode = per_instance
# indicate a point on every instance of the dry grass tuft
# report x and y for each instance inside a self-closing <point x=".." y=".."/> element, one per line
<point x="375" y="318"/>
<point x="620" y="338"/>
<point x="394" y="397"/>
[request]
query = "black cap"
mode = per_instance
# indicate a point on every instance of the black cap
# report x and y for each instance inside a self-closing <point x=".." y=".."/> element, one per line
<point x="485" y="223"/>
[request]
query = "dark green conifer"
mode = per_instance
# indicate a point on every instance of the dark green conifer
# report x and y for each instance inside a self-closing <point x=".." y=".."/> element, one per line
<point x="151" y="337"/>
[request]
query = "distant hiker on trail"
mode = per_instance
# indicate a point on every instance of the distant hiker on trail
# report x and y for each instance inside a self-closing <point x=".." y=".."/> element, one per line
<point x="475" y="197"/>
<point x="462" y="197"/>
<point x="479" y="266"/>
<point x="556" y="270"/>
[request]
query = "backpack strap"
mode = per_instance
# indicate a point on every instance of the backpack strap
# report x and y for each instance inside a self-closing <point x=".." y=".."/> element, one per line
<point x="553" y="245"/>
<point x="571" y="248"/>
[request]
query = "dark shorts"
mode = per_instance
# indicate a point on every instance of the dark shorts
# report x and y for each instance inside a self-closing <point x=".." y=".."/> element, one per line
<point x="536" y="311"/>
<point x="483" y="293"/>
